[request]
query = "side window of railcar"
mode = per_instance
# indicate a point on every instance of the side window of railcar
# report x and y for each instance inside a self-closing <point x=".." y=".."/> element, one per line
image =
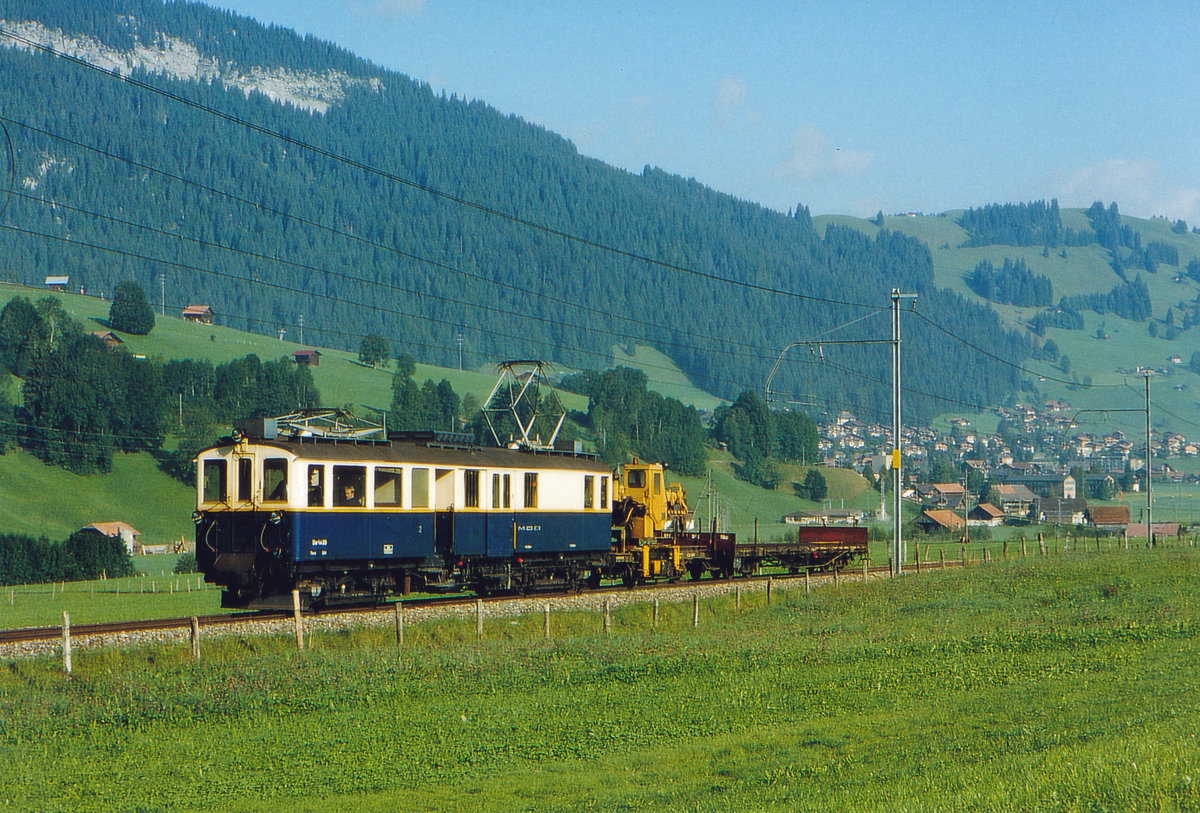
<point x="420" y="488"/>
<point x="604" y="493"/>
<point x="275" y="479"/>
<point x="496" y="491"/>
<point x="349" y="486"/>
<point x="245" y="479"/>
<point x="214" y="480"/>
<point x="471" y="488"/>
<point x="508" y="491"/>
<point x="316" y="486"/>
<point x="531" y="479"/>
<point x="589" y="484"/>
<point x="389" y="486"/>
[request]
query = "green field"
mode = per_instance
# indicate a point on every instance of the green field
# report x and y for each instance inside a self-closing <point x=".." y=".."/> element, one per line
<point x="41" y="500"/>
<point x="1061" y="684"/>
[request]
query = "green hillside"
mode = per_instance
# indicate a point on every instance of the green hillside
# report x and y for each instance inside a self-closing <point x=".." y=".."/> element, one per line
<point x="38" y="499"/>
<point x="437" y="223"/>
<point x="1104" y="362"/>
<point x="41" y="500"/>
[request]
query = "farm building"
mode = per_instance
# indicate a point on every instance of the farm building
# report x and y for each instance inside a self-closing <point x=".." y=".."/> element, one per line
<point x="312" y="358"/>
<point x="939" y="519"/>
<point x="1109" y="517"/>
<point x="201" y="314"/>
<point x="122" y="530"/>
<point x="985" y="514"/>
<point x="111" y="340"/>
<point x="829" y="516"/>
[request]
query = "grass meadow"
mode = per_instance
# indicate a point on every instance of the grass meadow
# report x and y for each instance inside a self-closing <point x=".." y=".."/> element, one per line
<point x="1064" y="683"/>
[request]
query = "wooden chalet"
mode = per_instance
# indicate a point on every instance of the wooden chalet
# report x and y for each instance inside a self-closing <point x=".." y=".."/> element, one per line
<point x="1109" y="517"/>
<point x="57" y="283"/>
<point x="311" y="358"/>
<point x="985" y="514"/>
<point x="1013" y="500"/>
<point x="939" y="519"/>
<point x="111" y="340"/>
<point x="201" y="314"/>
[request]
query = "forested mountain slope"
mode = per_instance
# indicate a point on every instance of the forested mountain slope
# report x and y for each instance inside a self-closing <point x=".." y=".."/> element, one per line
<point x="293" y="186"/>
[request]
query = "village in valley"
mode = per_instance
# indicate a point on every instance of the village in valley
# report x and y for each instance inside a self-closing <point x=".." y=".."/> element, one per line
<point x="1039" y="466"/>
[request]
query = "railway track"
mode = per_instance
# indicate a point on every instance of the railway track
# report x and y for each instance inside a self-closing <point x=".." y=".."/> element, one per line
<point x="49" y="633"/>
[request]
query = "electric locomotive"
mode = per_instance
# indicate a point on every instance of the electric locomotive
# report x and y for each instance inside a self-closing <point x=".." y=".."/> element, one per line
<point x="343" y="514"/>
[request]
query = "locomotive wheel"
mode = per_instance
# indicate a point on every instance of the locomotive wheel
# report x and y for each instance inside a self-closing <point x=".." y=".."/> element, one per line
<point x="593" y="580"/>
<point x="695" y="570"/>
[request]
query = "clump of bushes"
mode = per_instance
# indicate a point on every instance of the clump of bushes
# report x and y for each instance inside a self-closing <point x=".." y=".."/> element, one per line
<point x="83" y="555"/>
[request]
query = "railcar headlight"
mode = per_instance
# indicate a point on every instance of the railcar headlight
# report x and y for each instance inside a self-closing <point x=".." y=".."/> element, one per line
<point x="197" y="517"/>
<point x="276" y="517"/>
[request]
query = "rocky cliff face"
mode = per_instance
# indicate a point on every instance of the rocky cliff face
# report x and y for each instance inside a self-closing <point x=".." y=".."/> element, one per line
<point x="178" y="59"/>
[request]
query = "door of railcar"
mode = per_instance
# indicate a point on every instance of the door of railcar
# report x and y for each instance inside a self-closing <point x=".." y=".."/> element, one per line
<point x="443" y="512"/>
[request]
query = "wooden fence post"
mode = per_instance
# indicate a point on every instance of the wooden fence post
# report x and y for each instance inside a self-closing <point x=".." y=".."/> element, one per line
<point x="654" y="622"/>
<point x="769" y="590"/>
<point x="478" y="619"/>
<point x="737" y="598"/>
<point x="546" y="623"/>
<point x="695" y="610"/>
<point x="296" y="617"/>
<point x="807" y="586"/>
<point x="941" y="558"/>
<point x="195" y="638"/>
<point x="1041" y="545"/>
<point x="66" y="635"/>
<point x="399" y="625"/>
<point x="1023" y="552"/>
<point x="1005" y="549"/>
<point x="607" y="618"/>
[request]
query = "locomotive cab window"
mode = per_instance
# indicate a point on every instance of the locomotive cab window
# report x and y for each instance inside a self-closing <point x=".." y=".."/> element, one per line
<point x="657" y="484"/>
<point x="635" y="478"/>
<point x="388" y="486"/>
<point x="214" y="481"/>
<point x="349" y="486"/>
<point x="245" y="479"/>
<point x="316" y="486"/>
<point x="275" y="479"/>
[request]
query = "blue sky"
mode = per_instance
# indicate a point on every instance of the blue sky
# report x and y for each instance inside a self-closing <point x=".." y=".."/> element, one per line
<point x="846" y="107"/>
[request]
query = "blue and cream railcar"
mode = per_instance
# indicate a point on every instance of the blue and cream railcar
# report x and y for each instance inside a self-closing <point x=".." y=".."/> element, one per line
<point x="346" y="518"/>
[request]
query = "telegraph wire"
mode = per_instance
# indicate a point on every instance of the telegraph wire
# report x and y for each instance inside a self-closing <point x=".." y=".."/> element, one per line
<point x="525" y="291"/>
<point x="369" y="305"/>
<point x="1008" y="363"/>
<point x="372" y="306"/>
<point x="407" y="182"/>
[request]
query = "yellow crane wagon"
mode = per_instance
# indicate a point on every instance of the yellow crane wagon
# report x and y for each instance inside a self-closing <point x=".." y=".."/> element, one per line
<point x="652" y="527"/>
<point x="654" y="537"/>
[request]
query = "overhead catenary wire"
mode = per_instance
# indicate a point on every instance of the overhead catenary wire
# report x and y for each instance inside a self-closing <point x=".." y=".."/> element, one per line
<point x="425" y="188"/>
<point x="592" y="328"/>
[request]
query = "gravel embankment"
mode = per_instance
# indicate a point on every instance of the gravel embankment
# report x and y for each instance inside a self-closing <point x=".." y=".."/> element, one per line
<point x="585" y="602"/>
